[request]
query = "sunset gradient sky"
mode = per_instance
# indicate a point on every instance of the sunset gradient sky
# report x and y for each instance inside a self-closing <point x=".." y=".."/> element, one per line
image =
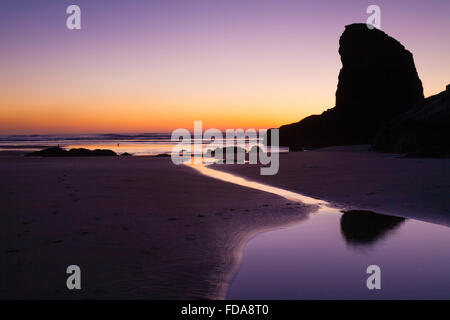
<point x="149" y="66"/>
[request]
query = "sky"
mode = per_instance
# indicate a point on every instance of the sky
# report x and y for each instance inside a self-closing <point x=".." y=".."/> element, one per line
<point x="154" y="66"/>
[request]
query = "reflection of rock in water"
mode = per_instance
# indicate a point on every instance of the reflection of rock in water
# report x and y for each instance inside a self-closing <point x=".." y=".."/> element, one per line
<point x="366" y="227"/>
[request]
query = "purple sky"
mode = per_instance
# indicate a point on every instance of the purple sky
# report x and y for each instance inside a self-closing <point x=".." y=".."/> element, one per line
<point x="252" y="63"/>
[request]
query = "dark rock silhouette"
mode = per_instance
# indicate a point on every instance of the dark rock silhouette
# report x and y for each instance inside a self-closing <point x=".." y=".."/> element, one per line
<point x="80" y="152"/>
<point x="256" y="149"/>
<point x="163" y="155"/>
<point x="365" y="227"/>
<point x="423" y="131"/>
<point x="378" y="81"/>
<point x="233" y="152"/>
<point x="221" y="152"/>
<point x="48" y="152"/>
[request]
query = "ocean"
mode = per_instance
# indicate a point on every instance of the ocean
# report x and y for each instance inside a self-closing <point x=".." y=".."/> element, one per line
<point x="140" y="144"/>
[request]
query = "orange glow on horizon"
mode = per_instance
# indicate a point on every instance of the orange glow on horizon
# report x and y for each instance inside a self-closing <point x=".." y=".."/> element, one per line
<point x="120" y="117"/>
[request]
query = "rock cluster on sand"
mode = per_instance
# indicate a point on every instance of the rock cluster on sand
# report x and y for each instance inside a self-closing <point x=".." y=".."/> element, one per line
<point x="423" y="131"/>
<point x="377" y="82"/>
<point x="163" y="155"/>
<point x="79" y="152"/>
<point x="221" y="153"/>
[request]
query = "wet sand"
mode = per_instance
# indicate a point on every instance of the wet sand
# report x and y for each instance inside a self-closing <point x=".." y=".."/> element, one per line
<point x="138" y="227"/>
<point x="354" y="178"/>
<point x="143" y="228"/>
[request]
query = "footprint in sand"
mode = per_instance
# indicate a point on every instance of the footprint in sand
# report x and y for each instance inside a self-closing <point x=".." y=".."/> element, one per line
<point x="12" y="251"/>
<point x="191" y="237"/>
<point x="137" y="274"/>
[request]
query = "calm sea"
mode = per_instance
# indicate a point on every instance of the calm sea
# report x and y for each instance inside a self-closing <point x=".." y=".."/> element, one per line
<point x="142" y="144"/>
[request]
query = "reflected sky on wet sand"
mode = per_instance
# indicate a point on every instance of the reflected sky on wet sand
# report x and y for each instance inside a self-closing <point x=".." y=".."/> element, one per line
<point x="321" y="259"/>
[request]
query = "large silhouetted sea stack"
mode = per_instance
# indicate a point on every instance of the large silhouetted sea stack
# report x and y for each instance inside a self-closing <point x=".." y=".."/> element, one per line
<point x="378" y="81"/>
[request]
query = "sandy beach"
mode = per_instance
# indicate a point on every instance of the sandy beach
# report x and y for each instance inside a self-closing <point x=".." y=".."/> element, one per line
<point x="354" y="178"/>
<point x="143" y="228"/>
<point x="138" y="227"/>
